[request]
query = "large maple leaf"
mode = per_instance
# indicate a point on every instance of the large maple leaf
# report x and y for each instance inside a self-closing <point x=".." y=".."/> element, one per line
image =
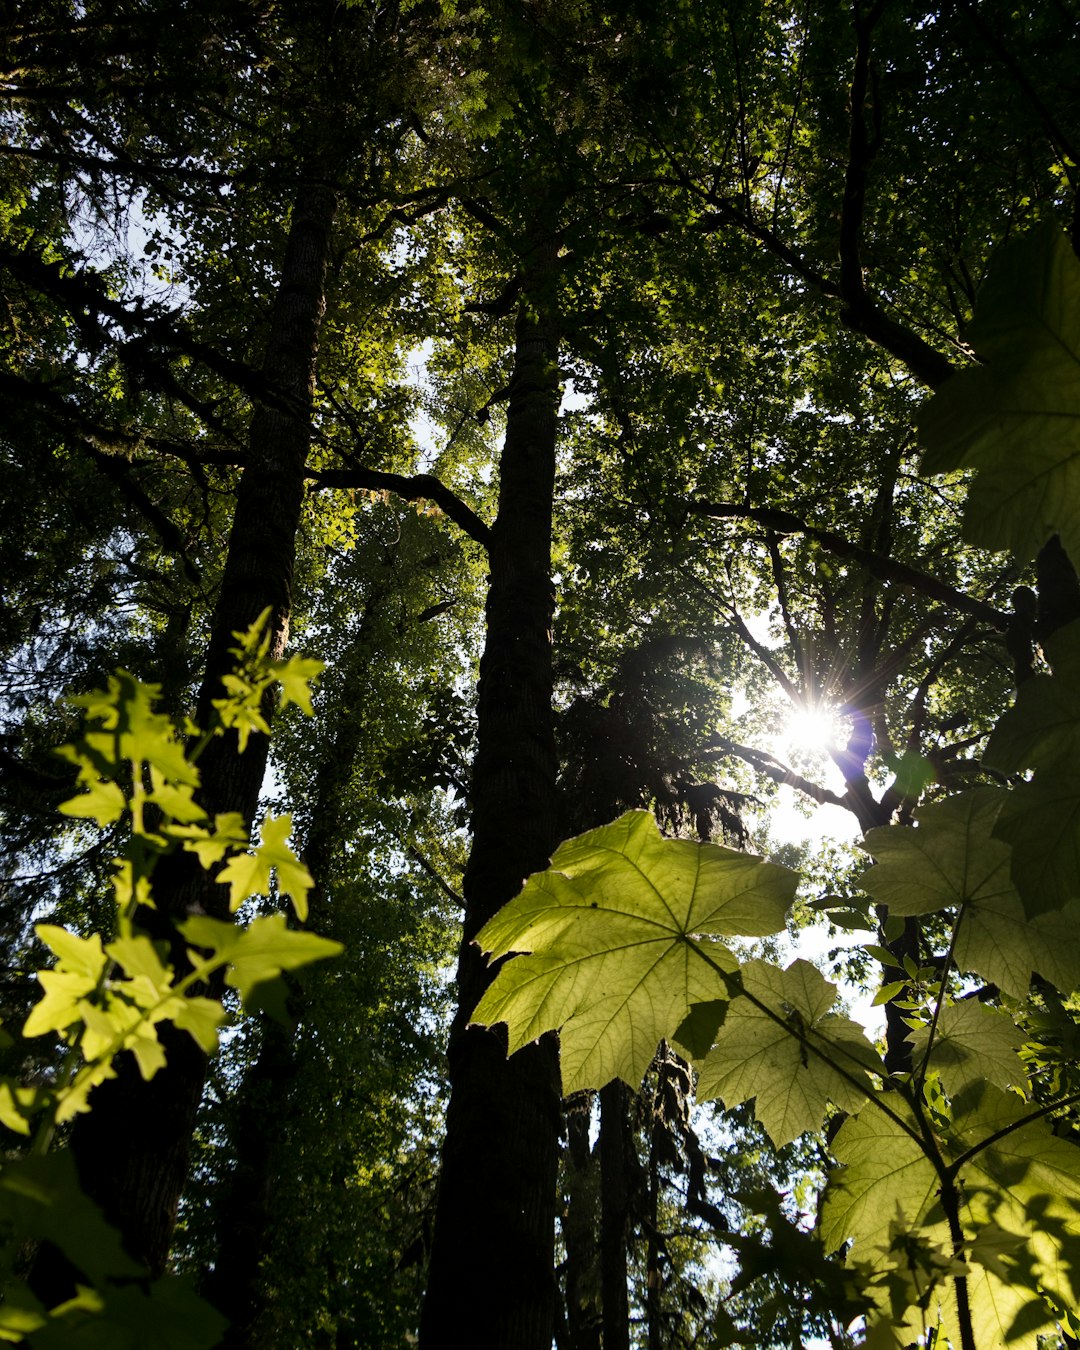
<point x="622" y="935"/>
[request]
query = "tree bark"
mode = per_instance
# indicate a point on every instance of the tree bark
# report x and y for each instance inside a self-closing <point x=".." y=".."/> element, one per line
<point x="491" y="1282"/>
<point x="132" y="1149"/>
<point x="581" y="1187"/>
<point x="616" y="1183"/>
<point x="267" y="1112"/>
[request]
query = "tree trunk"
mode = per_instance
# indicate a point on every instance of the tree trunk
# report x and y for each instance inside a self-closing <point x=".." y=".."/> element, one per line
<point x="491" y="1283"/>
<point x="132" y="1148"/>
<point x="617" y="1165"/>
<point x="580" y="1213"/>
<point x="267" y="1112"/>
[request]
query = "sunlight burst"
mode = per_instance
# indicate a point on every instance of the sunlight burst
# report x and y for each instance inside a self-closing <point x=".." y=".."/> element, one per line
<point x="812" y="730"/>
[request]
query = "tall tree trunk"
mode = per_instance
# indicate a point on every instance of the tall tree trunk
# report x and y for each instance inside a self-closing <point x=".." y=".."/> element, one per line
<point x="491" y="1282"/>
<point x="580" y="1214"/>
<point x="617" y="1167"/>
<point x="132" y="1149"/>
<point x="267" y="1111"/>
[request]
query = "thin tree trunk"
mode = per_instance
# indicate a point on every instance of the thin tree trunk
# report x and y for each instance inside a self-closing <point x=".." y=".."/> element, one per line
<point x="132" y="1149"/>
<point x="617" y="1165"/>
<point x="581" y="1185"/>
<point x="491" y="1283"/>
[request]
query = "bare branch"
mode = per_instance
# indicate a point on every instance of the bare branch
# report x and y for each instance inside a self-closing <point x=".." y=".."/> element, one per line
<point x="779" y="772"/>
<point x="786" y="522"/>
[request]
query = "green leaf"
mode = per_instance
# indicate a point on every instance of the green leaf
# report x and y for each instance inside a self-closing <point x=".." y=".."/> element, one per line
<point x="1016" y="418"/>
<point x="1041" y="821"/>
<point x="621" y="931"/>
<point x="132" y="730"/>
<point x="757" y="1056"/>
<point x="211" y="845"/>
<point x="78" y="955"/>
<point x="972" y="1044"/>
<point x="102" y="802"/>
<point x="1002" y="1313"/>
<point x="177" y="801"/>
<point x="200" y="1017"/>
<point x="20" y="1311"/>
<point x="142" y="958"/>
<point x="40" y="1198"/>
<point x="248" y="874"/>
<point x="946" y="860"/>
<point x="999" y="942"/>
<point x="881" y="954"/>
<point x="60" y="1005"/>
<point x="888" y="992"/>
<point x="1042" y="728"/>
<point x="696" y="1033"/>
<point x="260" y="952"/>
<point x="1041" y="817"/>
<point x="884" y="1177"/>
<point x="167" y="1314"/>
<point x="76" y="1097"/>
<point x="295" y="676"/>
<point x="17" y="1105"/>
<point x="1027" y="1182"/>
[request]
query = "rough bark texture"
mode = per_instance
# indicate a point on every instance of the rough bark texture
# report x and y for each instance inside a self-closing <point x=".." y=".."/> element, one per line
<point x="132" y="1148"/>
<point x="491" y="1282"/>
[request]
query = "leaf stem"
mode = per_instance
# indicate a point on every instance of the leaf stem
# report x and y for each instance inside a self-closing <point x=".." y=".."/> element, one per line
<point x="737" y="990"/>
<point x="1045" y="1110"/>
<point x="920" y="1079"/>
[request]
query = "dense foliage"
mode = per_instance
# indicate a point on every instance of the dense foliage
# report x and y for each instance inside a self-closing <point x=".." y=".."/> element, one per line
<point x="577" y="354"/>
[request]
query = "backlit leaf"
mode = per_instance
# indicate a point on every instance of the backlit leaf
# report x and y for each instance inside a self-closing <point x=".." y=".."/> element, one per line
<point x="1016" y="417"/>
<point x="947" y="859"/>
<point x="884" y="1176"/>
<point x="972" y="1043"/>
<point x="248" y="874"/>
<point x="295" y="676"/>
<point x="259" y="952"/>
<point x="999" y="942"/>
<point x="758" y="1057"/>
<point x="620" y="931"/>
<point x="102" y="802"/>
<point x="1041" y="817"/>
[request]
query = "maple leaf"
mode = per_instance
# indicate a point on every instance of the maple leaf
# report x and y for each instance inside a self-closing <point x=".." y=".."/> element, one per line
<point x="948" y="859"/>
<point x="885" y="1177"/>
<point x="256" y="955"/>
<point x="1016" y="417"/>
<point x="249" y="873"/>
<point x="1041" y="818"/>
<point x="774" y="1059"/>
<point x="972" y="1044"/>
<point x="622" y="938"/>
<point x="952" y="860"/>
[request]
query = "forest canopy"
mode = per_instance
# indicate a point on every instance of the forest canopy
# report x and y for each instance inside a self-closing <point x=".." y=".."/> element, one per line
<point x="538" y="642"/>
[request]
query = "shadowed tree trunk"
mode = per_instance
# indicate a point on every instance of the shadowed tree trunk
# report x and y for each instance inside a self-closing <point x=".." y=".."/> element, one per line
<point x="581" y="1184"/>
<point x="132" y="1149"/>
<point x="266" y="1106"/>
<point x="617" y="1165"/>
<point x="491" y="1281"/>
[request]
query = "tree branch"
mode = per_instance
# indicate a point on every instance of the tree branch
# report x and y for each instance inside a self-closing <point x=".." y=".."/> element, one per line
<point x="84" y="296"/>
<point x="861" y="313"/>
<point x="785" y="522"/>
<point x="772" y="768"/>
<point x="419" y="486"/>
<point x="436" y="876"/>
